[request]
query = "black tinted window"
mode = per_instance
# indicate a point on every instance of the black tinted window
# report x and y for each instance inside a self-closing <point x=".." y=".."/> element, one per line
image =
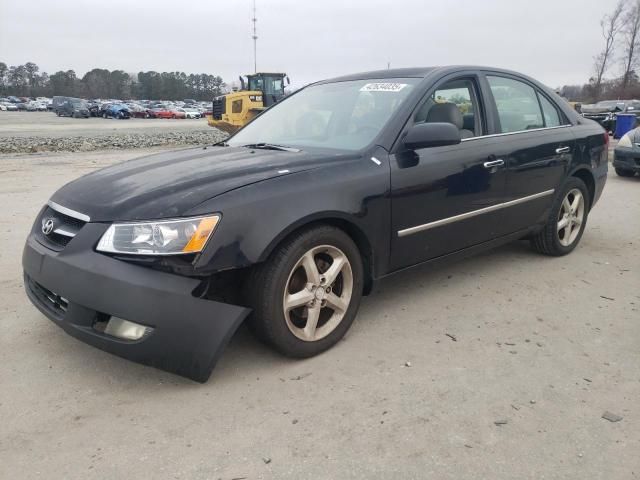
<point x="551" y="116"/>
<point x="517" y="103"/>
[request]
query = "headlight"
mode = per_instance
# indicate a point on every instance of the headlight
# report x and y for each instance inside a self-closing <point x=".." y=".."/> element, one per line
<point x="625" y="141"/>
<point x="163" y="237"/>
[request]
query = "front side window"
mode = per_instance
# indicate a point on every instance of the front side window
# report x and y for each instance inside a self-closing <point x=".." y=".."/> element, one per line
<point x="341" y="115"/>
<point x="517" y="104"/>
<point x="454" y="102"/>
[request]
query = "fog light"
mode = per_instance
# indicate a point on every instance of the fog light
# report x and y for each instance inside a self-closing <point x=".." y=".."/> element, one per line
<point x="120" y="328"/>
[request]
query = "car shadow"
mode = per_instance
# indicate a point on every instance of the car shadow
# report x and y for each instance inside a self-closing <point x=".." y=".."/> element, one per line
<point x="248" y="357"/>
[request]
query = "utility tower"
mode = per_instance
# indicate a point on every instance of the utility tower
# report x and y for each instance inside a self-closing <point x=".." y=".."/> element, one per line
<point x="255" y="39"/>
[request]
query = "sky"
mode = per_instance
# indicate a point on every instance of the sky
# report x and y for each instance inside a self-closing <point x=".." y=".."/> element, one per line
<point x="553" y="41"/>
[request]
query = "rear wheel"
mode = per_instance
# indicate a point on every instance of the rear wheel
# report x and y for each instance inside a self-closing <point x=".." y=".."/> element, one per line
<point x="566" y="222"/>
<point x="623" y="172"/>
<point x="306" y="296"/>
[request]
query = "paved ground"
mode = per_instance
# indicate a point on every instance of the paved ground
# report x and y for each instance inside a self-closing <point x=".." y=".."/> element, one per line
<point x="545" y="344"/>
<point x="47" y="124"/>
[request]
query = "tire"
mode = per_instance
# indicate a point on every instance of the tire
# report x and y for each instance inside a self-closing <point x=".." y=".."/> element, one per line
<point x="288" y="329"/>
<point x="622" y="172"/>
<point x="555" y="240"/>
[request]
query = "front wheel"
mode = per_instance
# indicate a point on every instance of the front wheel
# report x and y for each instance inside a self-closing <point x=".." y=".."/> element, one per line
<point x="624" y="172"/>
<point x="566" y="222"/>
<point x="306" y="295"/>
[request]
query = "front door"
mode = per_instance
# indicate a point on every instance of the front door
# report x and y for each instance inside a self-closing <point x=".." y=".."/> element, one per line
<point x="444" y="198"/>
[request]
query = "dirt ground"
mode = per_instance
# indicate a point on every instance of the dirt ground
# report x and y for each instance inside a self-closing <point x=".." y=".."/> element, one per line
<point x="47" y="124"/>
<point x="437" y="356"/>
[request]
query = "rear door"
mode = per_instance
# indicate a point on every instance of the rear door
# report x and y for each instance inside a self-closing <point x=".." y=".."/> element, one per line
<point x="536" y="143"/>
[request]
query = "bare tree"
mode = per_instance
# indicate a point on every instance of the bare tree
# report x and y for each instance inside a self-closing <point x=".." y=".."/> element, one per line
<point x="610" y="25"/>
<point x="631" y="40"/>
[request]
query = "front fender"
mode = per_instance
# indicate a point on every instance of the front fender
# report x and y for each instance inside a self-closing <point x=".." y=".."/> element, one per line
<point x="257" y="217"/>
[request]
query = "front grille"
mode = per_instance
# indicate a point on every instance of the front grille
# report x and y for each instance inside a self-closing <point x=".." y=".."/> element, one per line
<point x="64" y="229"/>
<point x="49" y="300"/>
<point x="218" y="108"/>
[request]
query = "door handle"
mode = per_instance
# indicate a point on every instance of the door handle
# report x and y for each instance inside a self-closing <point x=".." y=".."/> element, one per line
<point x="563" y="150"/>
<point x="493" y="163"/>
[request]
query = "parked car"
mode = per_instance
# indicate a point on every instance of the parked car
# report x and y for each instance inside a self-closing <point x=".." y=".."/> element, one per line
<point x="57" y="102"/>
<point x="73" y="107"/>
<point x="94" y="108"/>
<point x="626" y="159"/>
<point x="169" y="112"/>
<point x="190" y="112"/>
<point x="138" y="111"/>
<point x="604" y="112"/>
<point x="10" y="107"/>
<point x="117" y="110"/>
<point x="292" y="219"/>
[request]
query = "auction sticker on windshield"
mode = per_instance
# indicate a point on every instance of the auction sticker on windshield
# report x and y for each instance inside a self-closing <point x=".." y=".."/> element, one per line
<point x="383" y="87"/>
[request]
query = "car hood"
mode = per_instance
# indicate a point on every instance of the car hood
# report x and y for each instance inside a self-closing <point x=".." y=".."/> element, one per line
<point x="597" y="109"/>
<point x="169" y="184"/>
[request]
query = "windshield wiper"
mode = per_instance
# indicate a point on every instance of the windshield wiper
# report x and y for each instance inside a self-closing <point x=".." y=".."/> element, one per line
<point x="221" y="143"/>
<point x="271" y="146"/>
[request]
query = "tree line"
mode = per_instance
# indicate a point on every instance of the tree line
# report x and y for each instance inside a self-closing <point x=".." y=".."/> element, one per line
<point x="621" y="36"/>
<point x="28" y="81"/>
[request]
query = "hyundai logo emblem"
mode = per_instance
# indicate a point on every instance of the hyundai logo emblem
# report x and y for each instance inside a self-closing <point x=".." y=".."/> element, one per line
<point x="47" y="226"/>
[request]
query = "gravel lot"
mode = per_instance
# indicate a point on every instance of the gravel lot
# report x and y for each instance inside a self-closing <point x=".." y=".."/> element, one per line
<point x="22" y="132"/>
<point x="438" y="355"/>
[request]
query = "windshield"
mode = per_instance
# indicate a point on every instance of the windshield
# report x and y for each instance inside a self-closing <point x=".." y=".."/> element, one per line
<point x="341" y="115"/>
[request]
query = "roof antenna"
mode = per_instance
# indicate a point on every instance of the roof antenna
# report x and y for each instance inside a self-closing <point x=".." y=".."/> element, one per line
<point x="388" y="65"/>
<point x="255" y="39"/>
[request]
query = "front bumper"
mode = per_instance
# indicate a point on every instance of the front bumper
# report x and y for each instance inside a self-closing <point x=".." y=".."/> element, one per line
<point x="188" y="336"/>
<point x="627" y="158"/>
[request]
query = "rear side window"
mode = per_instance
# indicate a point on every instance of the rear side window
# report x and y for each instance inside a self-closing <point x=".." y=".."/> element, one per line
<point x="517" y="104"/>
<point x="551" y="117"/>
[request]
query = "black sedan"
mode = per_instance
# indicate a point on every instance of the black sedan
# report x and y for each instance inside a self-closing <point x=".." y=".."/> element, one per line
<point x="626" y="158"/>
<point x="290" y="221"/>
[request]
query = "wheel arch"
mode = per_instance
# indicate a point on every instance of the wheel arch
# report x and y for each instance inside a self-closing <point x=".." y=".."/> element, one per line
<point x="341" y="221"/>
<point x="587" y="177"/>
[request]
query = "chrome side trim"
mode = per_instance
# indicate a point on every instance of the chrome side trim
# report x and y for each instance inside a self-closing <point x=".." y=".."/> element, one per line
<point x="68" y="212"/>
<point x="516" y="133"/>
<point x="474" y="213"/>
<point x="64" y="233"/>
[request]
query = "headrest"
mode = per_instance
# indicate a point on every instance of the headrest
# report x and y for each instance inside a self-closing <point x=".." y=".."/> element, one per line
<point x="445" y="112"/>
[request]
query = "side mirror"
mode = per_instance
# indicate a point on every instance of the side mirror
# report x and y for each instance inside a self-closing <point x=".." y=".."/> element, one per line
<point x="436" y="134"/>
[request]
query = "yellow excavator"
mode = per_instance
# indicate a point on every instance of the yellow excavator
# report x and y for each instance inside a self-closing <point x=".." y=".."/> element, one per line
<point x="234" y="110"/>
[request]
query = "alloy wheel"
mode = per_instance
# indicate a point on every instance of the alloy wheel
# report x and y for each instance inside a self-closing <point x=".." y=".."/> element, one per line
<point x="317" y="293"/>
<point x="570" y="217"/>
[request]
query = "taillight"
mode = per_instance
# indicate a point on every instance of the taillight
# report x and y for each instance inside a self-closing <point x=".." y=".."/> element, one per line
<point x="606" y="139"/>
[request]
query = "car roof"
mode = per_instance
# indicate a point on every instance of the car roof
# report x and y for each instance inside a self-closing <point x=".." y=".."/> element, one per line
<point x="417" y="72"/>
